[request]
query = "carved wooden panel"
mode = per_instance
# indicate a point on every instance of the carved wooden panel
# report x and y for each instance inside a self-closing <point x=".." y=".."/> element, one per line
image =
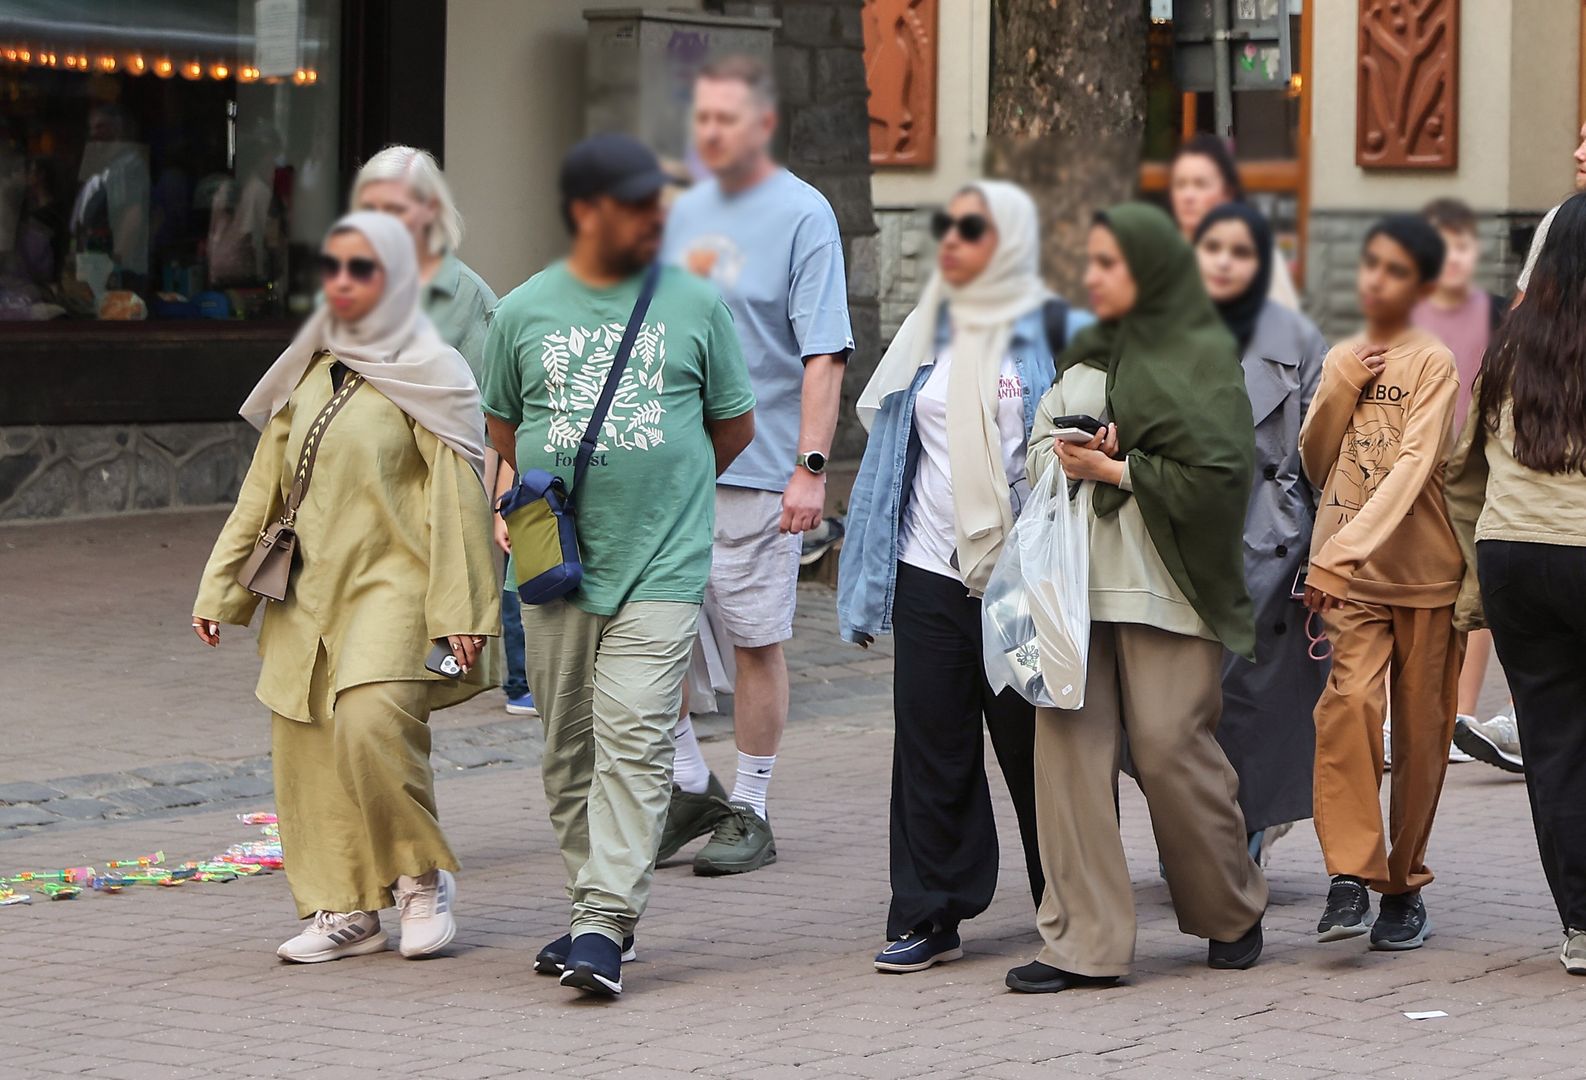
<point x="1407" y="85"/>
<point x="900" y="66"/>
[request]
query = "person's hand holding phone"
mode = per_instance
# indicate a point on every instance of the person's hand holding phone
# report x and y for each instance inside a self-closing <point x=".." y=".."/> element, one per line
<point x="1094" y="460"/>
<point x="1319" y="601"/>
<point x="466" y="648"/>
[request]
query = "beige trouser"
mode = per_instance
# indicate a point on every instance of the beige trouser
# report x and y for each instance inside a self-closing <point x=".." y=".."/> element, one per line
<point x="356" y="796"/>
<point x="609" y="689"/>
<point x="1164" y="691"/>
<point x="1424" y="651"/>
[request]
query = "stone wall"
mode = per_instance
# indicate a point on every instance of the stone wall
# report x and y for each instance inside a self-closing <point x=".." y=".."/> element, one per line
<point x="906" y="254"/>
<point x="1334" y="253"/>
<point x="77" y="470"/>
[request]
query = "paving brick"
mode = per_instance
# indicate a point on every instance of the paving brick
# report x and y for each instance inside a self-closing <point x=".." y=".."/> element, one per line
<point x="182" y="772"/>
<point x="14" y="816"/>
<point x="25" y="791"/>
<point x="150" y="799"/>
<point x="81" y="809"/>
<point x="245" y="786"/>
<point x="89" y="784"/>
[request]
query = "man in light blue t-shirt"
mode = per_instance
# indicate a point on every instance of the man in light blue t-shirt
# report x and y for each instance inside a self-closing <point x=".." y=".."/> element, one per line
<point x="769" y="242"/>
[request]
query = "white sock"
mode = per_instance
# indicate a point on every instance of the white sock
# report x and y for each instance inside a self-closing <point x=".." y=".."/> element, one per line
<point x="754" y="779"/>
<point x="689" y="770"/>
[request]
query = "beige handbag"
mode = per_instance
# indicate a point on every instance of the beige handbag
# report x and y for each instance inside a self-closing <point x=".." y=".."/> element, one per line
<point x="269" y="568"/>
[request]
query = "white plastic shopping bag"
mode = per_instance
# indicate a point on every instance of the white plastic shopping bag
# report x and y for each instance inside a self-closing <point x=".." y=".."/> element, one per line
<point x="1036" y="611"/>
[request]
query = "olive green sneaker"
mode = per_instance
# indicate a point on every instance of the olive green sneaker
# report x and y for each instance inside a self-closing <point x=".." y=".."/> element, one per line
<point x="692" y="816"/>
<point x="743" y="842"/>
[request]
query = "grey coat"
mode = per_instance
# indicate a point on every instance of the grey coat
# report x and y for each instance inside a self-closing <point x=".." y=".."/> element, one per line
<point x="1266" y="726"/>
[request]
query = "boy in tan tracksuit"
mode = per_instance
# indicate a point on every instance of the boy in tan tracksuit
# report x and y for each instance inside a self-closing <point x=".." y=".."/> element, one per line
<point x="1385" y="570"/>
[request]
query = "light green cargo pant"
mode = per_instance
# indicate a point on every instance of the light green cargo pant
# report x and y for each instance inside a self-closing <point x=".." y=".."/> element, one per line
<point x="609" y="689"/>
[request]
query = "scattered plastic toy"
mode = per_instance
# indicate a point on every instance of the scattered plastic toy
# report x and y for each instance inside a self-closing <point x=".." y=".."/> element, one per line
<point x="143" y="862"/>
<point x="240" y="860"/>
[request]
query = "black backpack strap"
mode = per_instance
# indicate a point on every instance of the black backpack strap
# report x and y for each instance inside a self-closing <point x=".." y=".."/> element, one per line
<point x="1054" y="316"/>
<point x="619" y="363"/>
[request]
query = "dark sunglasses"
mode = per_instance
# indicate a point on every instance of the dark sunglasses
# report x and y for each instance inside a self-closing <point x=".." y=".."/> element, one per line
<point x="971" y="226"/>
<point x="359" y="269"/>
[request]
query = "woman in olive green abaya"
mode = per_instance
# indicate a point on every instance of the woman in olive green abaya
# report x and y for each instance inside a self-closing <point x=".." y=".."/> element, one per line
<point x="394" y="554"/>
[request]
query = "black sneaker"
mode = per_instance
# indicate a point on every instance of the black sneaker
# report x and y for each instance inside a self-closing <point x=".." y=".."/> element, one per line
<point x="1348" y="911"/>
<point x="1402" y="923"/>
<point x="689" y="816"/>
<point x="552" y="960"/>
<point x="1038" y="978"/>
<point x="594" y="965"/>
<point x="1236" y="955"/>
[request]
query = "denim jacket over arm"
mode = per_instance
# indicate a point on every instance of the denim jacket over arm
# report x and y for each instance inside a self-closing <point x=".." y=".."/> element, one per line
<point x="868" y="565"/>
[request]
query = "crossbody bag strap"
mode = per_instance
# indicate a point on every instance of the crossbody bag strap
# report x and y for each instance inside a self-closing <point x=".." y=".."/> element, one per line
<point x="316" y="435"/>
<point x="619" y="363"/>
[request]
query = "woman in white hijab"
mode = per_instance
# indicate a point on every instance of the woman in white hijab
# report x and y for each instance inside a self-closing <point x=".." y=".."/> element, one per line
<point x="393" y="556"/>
<point x="949" y="411"/>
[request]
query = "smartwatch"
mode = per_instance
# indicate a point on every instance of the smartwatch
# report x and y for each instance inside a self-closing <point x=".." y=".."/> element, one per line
<point x="814" y="461"/>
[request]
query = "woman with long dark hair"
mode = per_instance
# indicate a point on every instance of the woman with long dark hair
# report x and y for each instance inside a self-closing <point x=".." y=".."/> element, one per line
<point x="1519" y="496"/>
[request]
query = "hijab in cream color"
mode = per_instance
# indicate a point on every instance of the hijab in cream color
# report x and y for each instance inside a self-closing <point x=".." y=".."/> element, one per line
<point x="981" y="315"/>
<point x="395" y="348"/>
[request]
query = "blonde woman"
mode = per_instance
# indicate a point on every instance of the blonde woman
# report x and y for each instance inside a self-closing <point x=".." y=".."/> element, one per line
<point x="393" y="555"/>
<point x="406" y="183"/>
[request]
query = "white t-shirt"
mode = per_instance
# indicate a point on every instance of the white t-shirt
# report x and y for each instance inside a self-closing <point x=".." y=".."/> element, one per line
<point x="926" y="538"/>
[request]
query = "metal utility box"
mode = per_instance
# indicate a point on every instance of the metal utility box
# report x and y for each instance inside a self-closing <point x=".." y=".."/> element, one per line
<point x="641" y="65"/>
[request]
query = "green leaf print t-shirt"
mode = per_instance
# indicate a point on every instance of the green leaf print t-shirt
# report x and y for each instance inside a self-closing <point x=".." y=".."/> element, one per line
<point x="647" y="509"/>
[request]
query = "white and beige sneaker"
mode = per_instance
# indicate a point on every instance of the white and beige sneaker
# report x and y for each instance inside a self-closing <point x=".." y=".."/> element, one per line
<point x="1573" y="954"/>
<point x="333" y="935"/>
<point x="425" y="905"/>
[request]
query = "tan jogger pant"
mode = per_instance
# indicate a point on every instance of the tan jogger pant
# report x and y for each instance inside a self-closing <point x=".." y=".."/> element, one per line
<point x="1165" y="691"/>
<point x="356" y="796"/>
<point x="1424" y="652"/>
<point x="609" y="689"/>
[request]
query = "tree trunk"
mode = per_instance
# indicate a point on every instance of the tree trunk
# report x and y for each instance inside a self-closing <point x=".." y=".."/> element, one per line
<point x="1067" y="115"/>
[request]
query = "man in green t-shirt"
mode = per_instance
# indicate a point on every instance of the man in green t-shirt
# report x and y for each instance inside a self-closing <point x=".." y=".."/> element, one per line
<point x="607" y="662"/>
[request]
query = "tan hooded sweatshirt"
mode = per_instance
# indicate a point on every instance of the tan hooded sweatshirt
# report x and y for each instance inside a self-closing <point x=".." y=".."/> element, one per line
<point x="1376" y="447"/>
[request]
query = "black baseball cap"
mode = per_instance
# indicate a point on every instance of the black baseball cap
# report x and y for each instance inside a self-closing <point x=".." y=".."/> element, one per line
<point x="611" y="164"/>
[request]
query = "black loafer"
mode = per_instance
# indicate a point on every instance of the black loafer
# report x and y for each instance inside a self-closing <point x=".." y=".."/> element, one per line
<point x="1038" y="978"/>
<point x="1236" y="955"/>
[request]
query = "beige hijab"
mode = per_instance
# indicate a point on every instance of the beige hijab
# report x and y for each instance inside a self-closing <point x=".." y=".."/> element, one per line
<point x="981" y="315"/>
<point x="394" y="347"/>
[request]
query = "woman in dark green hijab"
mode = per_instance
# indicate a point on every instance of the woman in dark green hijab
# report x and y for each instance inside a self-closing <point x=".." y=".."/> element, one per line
<point x="1168" y="479"/>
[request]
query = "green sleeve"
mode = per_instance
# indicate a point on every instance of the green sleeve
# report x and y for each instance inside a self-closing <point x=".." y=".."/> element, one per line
<point x="726" y="378"/>
<point x="501" y="384"/>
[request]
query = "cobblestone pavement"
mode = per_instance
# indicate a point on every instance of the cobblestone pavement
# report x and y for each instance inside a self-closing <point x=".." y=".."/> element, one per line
<point x="764" y="976"/>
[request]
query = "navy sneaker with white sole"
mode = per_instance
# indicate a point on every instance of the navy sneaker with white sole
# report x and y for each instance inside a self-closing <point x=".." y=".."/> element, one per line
<point x="594" y="965"/>
<point x="552" y="960"/>
<point x="916" y="951"/>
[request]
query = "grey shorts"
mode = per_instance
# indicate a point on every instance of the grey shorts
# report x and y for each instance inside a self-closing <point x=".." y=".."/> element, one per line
<point x="754" y="570"/>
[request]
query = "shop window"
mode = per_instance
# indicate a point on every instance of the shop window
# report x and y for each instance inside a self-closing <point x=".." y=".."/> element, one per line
<point x="165" y="159"/>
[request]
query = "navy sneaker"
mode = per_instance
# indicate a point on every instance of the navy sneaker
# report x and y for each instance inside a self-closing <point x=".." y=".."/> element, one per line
<point x="1402" y="923"/>
<point x="916" y="951"/>
<point x="552" y="960"/>
<point x="594" y="965"/>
